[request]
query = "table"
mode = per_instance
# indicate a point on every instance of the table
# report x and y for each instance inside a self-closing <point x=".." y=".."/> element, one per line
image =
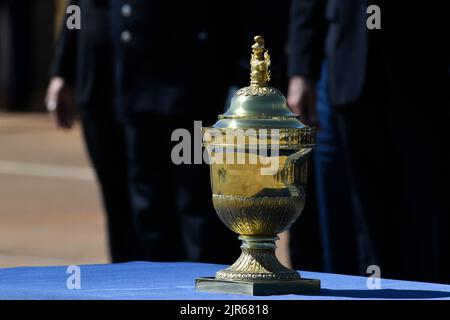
<point x="175" y="281"/>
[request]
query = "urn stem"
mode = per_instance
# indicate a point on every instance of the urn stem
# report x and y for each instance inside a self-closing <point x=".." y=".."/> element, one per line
<point x="258" y="262"/>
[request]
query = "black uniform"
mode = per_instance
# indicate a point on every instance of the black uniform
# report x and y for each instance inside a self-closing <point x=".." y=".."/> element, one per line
<point x="390" y="91"/>
<point x="142" y="69"/>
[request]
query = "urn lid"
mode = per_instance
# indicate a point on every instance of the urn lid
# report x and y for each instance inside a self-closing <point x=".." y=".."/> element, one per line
<point x="259" y="105"/>
<point x="260" y="111"/>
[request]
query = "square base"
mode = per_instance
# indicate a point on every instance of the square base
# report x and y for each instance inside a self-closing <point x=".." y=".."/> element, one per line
<point x="258" y="288"/>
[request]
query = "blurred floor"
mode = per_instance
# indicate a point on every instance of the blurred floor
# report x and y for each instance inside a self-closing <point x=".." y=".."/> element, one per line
<point x="50" y="212"/>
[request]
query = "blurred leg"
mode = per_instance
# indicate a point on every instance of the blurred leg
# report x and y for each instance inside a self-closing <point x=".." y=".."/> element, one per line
<point x="19" y="86"/>
<point x="334" y="206"/>
<point x="423" y="206"/>
<point x="151" y="188"/>
<point x="105" y="143"/>
<point x="374" y="180"/>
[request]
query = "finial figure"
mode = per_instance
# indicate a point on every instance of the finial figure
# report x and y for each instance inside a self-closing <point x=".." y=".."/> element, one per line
<point x="259" y="63"/>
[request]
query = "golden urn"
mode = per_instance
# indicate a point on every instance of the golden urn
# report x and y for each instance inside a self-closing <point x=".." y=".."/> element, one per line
<point x="258" y="153"/>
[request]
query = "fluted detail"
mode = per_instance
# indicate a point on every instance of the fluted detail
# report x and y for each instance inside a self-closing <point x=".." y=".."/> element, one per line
<point x="258" y="216"/>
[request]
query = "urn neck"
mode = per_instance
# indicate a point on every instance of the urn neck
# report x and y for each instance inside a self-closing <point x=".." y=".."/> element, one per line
<point x="258" y="243"/>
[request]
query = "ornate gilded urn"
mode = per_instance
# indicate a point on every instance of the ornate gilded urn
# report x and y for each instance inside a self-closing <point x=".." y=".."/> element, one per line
<point x="258" y="152"/>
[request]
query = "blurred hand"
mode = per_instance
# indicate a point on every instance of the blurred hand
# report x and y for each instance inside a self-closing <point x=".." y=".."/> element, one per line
<point x="302" y="99"/>
<point x="60" y="103"/>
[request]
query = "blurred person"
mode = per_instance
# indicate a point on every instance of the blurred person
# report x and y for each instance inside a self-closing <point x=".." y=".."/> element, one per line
<point x="140" y="70"/>
<point x="389" y="92"/>
<point x="300" y="246"/>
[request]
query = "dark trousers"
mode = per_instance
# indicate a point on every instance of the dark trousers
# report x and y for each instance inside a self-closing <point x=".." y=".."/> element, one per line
<point x="397" y="163"/>
<point x="334" y="206"/>
<point x="156" y="210"/>
<point x="19" y="59"/>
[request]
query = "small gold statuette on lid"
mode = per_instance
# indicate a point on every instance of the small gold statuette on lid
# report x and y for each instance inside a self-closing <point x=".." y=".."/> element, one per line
<point x="258" y="153"/>
<point x="259" y="64"/>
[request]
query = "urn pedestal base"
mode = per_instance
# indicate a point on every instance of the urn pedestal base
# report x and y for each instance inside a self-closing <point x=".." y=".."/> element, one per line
<point x="258" y="288"/>
<point x="258" y="272"/>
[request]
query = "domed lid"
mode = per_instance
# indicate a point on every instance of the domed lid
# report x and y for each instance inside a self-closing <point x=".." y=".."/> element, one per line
<point x="263" y="109"/>
<point x="259" y="106"/>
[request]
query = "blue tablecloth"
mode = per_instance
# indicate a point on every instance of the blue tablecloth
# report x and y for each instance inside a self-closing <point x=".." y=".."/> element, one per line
<point x="175" y="281"/>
